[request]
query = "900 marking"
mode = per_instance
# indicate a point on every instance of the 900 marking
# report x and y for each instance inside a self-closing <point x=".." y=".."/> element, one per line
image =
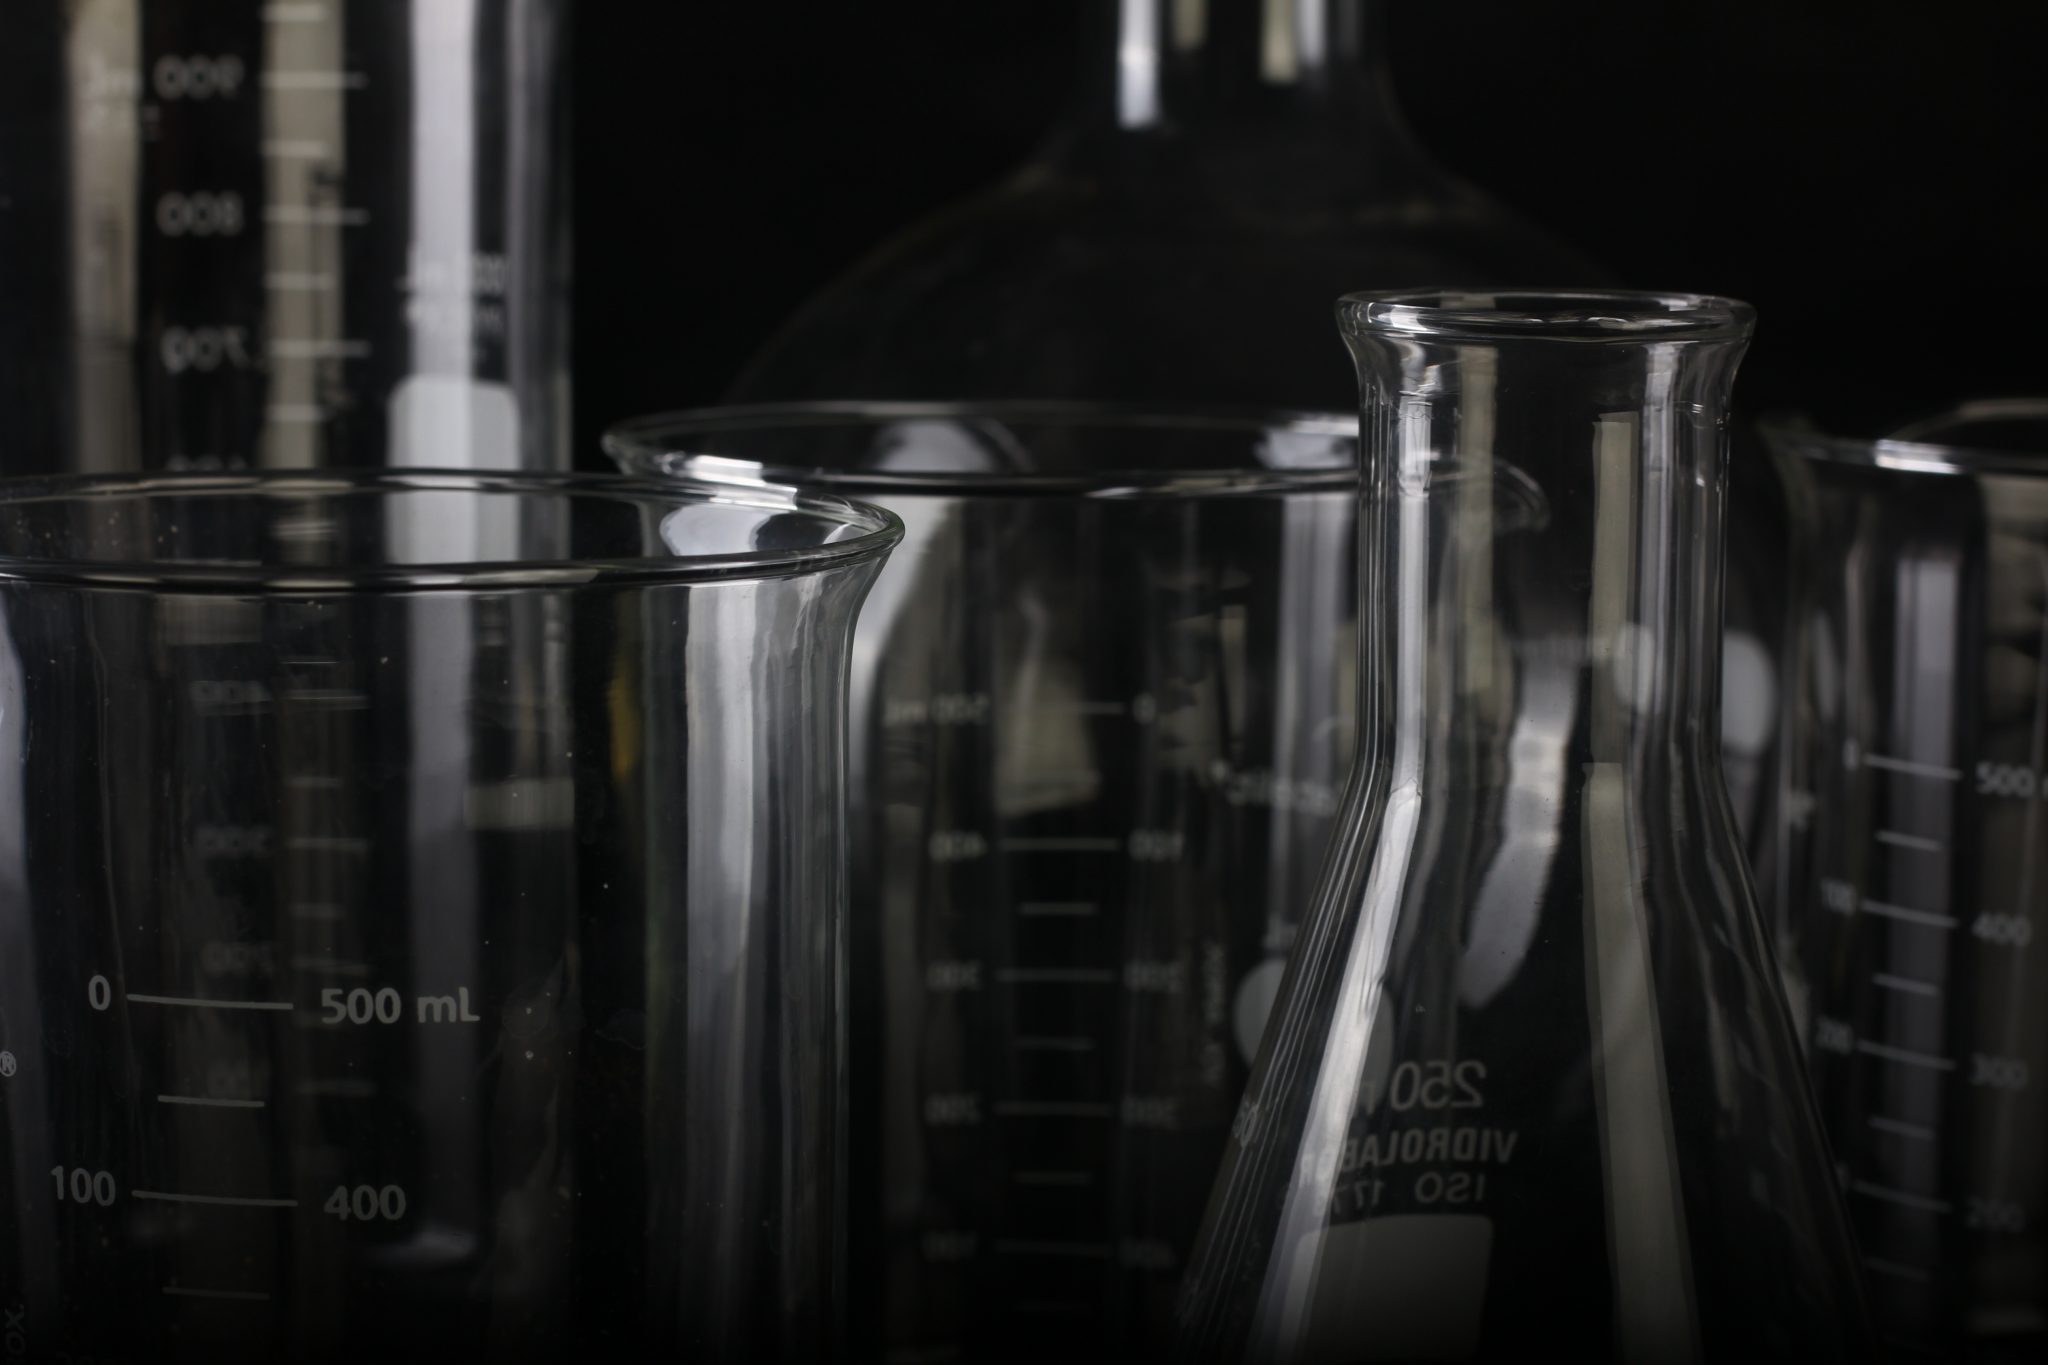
<point x="365" y="1006"/>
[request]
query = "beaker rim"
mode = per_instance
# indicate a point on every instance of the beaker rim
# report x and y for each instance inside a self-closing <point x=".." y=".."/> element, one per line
<point x="850" y="532"/>
<point x="1627" y="316"/>
<point x="1796" y="434"/>
<point x="1316" y="451"/>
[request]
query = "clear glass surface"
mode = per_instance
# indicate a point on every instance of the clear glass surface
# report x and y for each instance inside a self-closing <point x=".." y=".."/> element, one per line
<point x="1915" y="782"/>
<point x="421" y="916"/>
<point x="236" y="233"/>
<point x="1229" y="168"/>
<point x="1530" y="1086"/>
<point x="1101" y="710"/>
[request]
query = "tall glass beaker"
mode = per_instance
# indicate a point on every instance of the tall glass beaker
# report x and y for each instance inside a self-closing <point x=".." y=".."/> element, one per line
<point x="1530" y="1086"/>
<point x="421" y="916"/>
<point x="1916" y="786"/>
<point x="1100" y="719"/>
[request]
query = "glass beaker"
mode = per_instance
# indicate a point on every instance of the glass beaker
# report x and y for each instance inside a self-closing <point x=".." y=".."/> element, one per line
<point x="1916" y="784"/>
<point x="1100" y="718"/>
<point x="241" y="233"/>
<point x="422" y="903"/>
<point x="1530" y="1086"/>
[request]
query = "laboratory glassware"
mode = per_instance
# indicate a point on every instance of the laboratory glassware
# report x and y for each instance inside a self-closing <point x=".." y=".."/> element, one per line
<point x="241" y="233"/>
<point x="1530" y="1086"/>
<point x="1915" y="788"/>
<point x="1228" y="168"/>
<point x="1100" y="718"/>
<point x="422" y="901"/>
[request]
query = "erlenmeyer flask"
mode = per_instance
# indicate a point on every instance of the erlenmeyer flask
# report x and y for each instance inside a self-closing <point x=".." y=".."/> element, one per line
<point x="1530" y="1080"/>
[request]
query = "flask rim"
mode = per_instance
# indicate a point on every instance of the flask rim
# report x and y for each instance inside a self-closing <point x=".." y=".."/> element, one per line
<point x="1585" y="316"/>
<point x="870" y="532"/>
<point x="686" y="444"/>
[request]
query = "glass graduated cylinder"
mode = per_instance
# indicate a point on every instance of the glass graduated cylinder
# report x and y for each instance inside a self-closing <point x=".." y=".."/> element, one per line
<point x="1101" y="700"/>
<point x="1530" y="1078"/>
<point x="306" y="234"/>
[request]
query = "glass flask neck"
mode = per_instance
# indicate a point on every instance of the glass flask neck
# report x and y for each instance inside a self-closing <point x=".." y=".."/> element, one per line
<point x="1541" y="541"/>
<point x="1196" y="71"/>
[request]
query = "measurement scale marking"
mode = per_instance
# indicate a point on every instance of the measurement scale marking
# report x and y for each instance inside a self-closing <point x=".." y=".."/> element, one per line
<point x="1056" y="1044"/>
<point x="1906" y="984"/>
<point x="1906" y="1056"/>
<point x="346" y="1090"/>
<point x="318" y="348"/>
<point x="208" y="1102"/>
<point x="1906" y="916"/>
<point x="321" y="964"/>
<point x="237" y="1295"/>
<point x="1913" y="767"/>
<point x="224" y="1200"/>
<point x="1895" y="1270"/>
<point x="1085" y="708"/>
<point x="201" y="1002"/>
<point x="304" y="214"/>
<point x="314" y="80"/>
<point x="1053" y="845"/>
<point x="1087" y="1251"/>
<point x="1901" y="1198"/>
<point x="332" y="843"/>
<point x="1056" y="976"/>
<point x="1916" y="843"/>
<point x="1072" y="908"/>
<point x="1052" y="1109"/>
<point x="1900" y="1128"/>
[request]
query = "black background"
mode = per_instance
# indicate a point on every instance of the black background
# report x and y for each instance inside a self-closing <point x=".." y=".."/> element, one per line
<point x="1872" y="174"/>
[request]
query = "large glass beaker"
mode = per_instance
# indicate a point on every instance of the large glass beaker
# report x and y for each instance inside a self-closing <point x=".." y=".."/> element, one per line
<point x="1530" y="1086"/>
<point x="421" y="916"/>
<point x="1100" y="718"/>
<point x="1916" y="785"/>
